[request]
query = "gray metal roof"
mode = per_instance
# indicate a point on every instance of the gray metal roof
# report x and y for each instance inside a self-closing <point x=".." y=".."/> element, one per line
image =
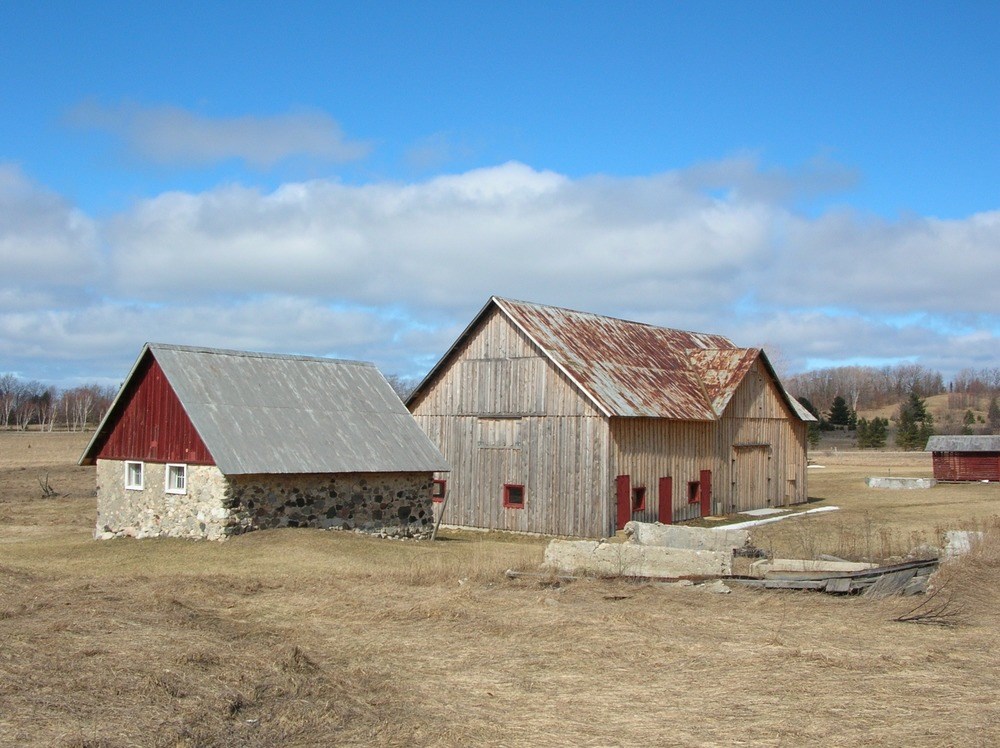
<point x="962" y="443"/>
<point x="266" y="413"/>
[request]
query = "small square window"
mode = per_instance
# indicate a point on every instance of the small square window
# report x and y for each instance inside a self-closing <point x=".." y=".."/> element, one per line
<point x="438" y="489"/>
<point x="176" y="480"/>
<point x="694" y="492"/>
<point x="513" y="495"/>
<point x="638" y="498"/>
<point x="133" y="476"/>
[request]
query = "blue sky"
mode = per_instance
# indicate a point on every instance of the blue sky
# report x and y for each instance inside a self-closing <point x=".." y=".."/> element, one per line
<point x="356" y="180"/>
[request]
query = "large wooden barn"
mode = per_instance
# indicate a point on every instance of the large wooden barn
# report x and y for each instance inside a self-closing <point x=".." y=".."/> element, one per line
<point x="205" y="443"/>
<point x="567" y="423"/>
<point x="965" y="458"/>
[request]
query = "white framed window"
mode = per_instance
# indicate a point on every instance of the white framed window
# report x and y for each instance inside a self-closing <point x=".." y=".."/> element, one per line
<point x="133" y="476"/>
<point x="176" y="478"/>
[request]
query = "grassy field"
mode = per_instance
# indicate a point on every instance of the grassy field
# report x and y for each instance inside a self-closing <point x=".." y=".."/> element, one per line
<point x="302" y="638"/>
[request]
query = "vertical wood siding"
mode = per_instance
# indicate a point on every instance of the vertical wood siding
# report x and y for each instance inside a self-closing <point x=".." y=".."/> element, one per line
<point x="502" y="413"/>
<point x="756" y="452"/>
<point x="649" y="449"/>
<point x="153" y="425"/>
<point x="967" y="466"/>
<point x="761" y="447"/>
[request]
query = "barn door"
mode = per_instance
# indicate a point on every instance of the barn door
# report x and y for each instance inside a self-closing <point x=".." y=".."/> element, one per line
<point x="752" y="488"/>
<point x="705" y="492"/>
<point x="623" y="488"/>
<point x="665" y="494"/>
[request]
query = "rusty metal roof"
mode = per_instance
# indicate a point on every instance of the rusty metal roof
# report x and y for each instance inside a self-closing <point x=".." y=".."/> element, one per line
<point x="266" y="413"/>
<point x="631" y="369"/>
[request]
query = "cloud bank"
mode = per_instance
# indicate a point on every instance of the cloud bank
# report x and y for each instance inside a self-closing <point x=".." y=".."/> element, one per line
<point x="391" y="272"/>
<point x="172" y="136"/>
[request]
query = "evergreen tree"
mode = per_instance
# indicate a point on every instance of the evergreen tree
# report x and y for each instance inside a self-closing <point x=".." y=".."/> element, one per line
<point x="878" y="432"/>
<point x="872" y="434"/>
<point x="916" y="425"/>
<point x="968" y="421"/>
<point x="861" y="433"/>
<point x="840" y="412"/>
<point x="993" y="416"/>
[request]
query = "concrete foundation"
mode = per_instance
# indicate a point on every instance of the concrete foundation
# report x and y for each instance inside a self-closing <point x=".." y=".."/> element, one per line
<point x="689" y="538"/>
<point x="634" y="560"/>
<point x="900" y="483"/>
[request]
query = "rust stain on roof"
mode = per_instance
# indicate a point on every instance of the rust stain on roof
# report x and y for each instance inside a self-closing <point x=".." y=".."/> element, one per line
<point x="632" y="369"/>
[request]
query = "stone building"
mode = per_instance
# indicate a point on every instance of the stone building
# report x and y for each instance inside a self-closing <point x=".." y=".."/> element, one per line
<point x="206" y="443"/>
<point x="568" y="423"/>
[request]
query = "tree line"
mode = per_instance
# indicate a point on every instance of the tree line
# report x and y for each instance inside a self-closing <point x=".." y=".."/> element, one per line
<point x="29" y="403"/>
<point x="913" y="423"/>
<point x="867" y="387"/>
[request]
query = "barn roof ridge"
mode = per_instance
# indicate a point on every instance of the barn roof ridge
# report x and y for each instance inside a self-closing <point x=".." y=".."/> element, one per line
<point x="597" y="315"/>
<point x="253" y="354"/>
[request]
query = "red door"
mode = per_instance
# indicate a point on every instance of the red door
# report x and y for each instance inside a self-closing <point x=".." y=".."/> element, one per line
<point x="665" y="496"/>
<point x="706" y="492"/>
<point x="623" y="484"/>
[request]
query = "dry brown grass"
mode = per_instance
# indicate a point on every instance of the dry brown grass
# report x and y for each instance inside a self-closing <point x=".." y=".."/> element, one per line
<point x="299" y="637"/>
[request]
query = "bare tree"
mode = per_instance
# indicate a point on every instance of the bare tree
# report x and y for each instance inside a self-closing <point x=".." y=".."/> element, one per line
<point x="402" y="386"/>
<point x="10" y="389"/>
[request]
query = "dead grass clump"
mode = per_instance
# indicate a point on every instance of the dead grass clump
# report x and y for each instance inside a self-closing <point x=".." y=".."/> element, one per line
<point x="968" y="588"/>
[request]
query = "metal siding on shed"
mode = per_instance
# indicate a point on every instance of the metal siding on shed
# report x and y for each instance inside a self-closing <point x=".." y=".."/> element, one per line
<point x="151" y="424"/>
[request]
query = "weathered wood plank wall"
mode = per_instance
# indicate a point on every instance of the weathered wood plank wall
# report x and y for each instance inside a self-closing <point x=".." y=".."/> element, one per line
<point x="761" y="448"/>
<point x="647" y="449"/>
<point x="560" y="454"/>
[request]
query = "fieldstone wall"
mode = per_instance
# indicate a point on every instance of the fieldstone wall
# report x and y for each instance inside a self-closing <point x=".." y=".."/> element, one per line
<point x="390" y="504"/>
<point x="214" y="507"/>
<point x="152" y="512"/>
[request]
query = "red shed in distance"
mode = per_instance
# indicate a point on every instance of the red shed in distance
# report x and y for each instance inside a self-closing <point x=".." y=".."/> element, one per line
<point x="965" y="458"/>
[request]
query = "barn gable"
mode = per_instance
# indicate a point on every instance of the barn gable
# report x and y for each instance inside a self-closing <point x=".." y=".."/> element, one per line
<point x="149" y="423"/>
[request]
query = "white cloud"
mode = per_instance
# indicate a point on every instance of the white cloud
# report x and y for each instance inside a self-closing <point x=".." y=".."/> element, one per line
<point x="49" y="251"/>
<point x="391" y="272"/>
<point x="173" y="136"/>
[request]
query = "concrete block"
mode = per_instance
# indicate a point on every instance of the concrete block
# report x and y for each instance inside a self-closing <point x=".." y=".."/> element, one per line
<point x="959" y="542"/>
<point x="899" y="483"/>
<point x="633" y="560"/>
<point x="689" y="538"/>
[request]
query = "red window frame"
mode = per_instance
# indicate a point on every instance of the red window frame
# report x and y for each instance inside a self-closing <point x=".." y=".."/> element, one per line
<point x="440" y="485"/>
<point x="694" y="491"/>
<point x="510" y="489"/>
<point x="638" y="499"/>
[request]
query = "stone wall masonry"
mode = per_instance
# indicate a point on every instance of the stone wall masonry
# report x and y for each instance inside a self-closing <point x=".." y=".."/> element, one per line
<point x="214" y="507"/>
<point x="388" y="504"/>
<point x="152" y="512"/>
